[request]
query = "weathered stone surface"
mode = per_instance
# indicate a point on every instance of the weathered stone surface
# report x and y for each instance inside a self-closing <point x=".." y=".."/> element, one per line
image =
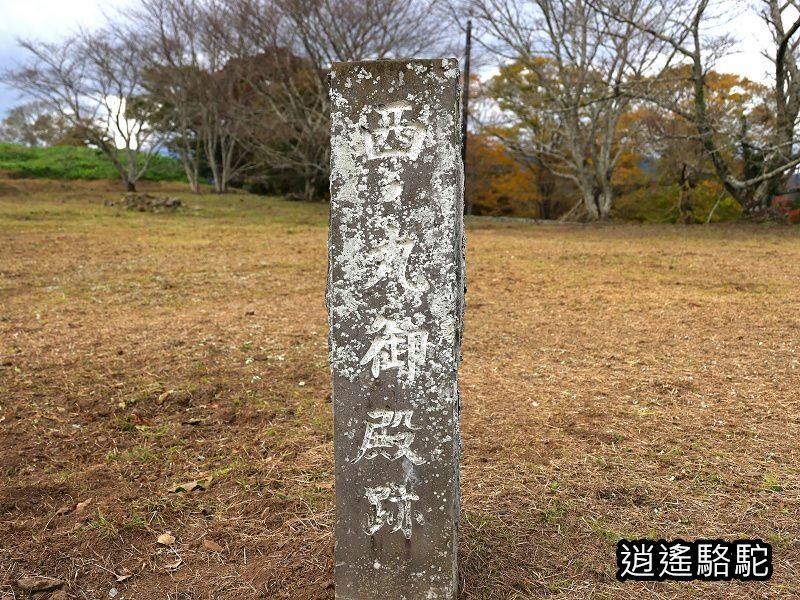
<point x="395" y="301"/>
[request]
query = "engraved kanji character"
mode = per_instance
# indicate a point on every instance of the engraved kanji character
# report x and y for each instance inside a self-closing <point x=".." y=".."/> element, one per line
<point x="387" y="348"/>
<point x="378" y="440"/>
<point x="397" y="516"/>
<point x="395" y="136"/>
<point x="393" y="257"/>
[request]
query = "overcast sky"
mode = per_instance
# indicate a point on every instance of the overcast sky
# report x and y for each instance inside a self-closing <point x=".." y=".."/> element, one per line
<point x="44" y="19"/>
<point x="52" y="19"/>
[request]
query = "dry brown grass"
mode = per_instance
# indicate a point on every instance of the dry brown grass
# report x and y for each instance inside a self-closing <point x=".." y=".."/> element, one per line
<point x="617" y="381"/>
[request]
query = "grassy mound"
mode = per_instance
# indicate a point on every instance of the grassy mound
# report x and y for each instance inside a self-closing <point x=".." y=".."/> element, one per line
<point x="72" y="162"/>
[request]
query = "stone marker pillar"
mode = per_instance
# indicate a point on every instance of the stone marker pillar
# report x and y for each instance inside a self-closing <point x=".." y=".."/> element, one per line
<point x="395" y="303"/>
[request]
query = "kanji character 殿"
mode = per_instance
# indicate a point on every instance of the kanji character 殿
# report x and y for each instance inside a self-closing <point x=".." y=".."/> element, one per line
<point x="380" y="441"/>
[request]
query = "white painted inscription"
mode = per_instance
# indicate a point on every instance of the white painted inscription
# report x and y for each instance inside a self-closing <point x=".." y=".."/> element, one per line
<point x="394" y="340"/>
<point x="392" y="192"/>
<point x="391" y="507"/>
<point x="379" y="441"/>
<point x="395" y="136"/>
<point x="395" y="301"/>
<point x="393" y="262"/>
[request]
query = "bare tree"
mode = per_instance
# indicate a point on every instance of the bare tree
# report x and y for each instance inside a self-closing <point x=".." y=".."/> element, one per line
<point x="327" y="31"/>
<point x="283" y="50"/>
<point x="226" y="126"/>
<point x="173" y="73"/>
<point x="93" y="82"/>
<point x="766" y="151"/>
<point x="193" y="80"/>
<point x="281" y="99"/>
<point x="574" y="66"/>
<point x="234" y="82"/>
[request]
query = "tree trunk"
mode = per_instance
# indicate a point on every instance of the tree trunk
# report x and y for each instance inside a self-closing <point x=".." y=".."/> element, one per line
<point x="228" y="147"/>
<point x="131" y="178"/>
<point x="545" y="208"/>
<point x="758" y="204"/>
<point x="215" y="174"/>
<point x="604" y="202"/>
<point x="211" y="146"/>
<point x="598" y="204"/>
<point x="684" y="206"/>
<point x="191" y="170"/>
<point x="309" y="191"/>
<point x="224" y="177"/>
<point x="192" y="176"/>
<point x="590" y="203"/>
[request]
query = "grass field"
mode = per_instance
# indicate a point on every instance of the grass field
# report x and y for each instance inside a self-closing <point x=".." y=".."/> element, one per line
<point x="618" y="381"/>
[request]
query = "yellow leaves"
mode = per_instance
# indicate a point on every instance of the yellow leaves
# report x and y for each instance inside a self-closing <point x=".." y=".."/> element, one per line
<point x="496" y="183"/>
<point x="629" y="173"/>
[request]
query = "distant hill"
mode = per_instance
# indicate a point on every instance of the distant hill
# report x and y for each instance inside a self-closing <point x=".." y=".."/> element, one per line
<point x="72" y="162"/>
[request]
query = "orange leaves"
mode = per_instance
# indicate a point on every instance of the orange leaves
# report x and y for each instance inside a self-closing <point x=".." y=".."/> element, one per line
<point x="495" y="183"/>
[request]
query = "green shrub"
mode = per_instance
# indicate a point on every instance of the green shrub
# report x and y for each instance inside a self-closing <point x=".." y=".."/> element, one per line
<point x="659" y="204"/>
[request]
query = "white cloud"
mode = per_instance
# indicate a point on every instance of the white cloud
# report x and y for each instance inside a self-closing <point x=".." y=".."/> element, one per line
<point x="746" y="57"/>
<point x="47" y="20"/>
<point x="51" y="19"/>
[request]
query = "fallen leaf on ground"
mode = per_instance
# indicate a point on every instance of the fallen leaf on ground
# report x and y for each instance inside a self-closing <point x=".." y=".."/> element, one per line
<point x="34" y="583"/>
<point x="81" y="506"/>
<point x="140" y="420"/>
<point x="197" y="484"/>
<point x="212" y="546"/>
<point x="173" y="566"/>
<point x="166" y="539"/>
<point x="124" y="575"/>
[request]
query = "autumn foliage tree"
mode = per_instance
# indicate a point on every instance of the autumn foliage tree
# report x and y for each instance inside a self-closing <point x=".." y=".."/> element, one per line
<point x="35" y="124"/>
<point x="502" y="182"/>
<point x="566" y="83"/>
<point x="767" y="138"/>
<point x="668" y="143"/>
